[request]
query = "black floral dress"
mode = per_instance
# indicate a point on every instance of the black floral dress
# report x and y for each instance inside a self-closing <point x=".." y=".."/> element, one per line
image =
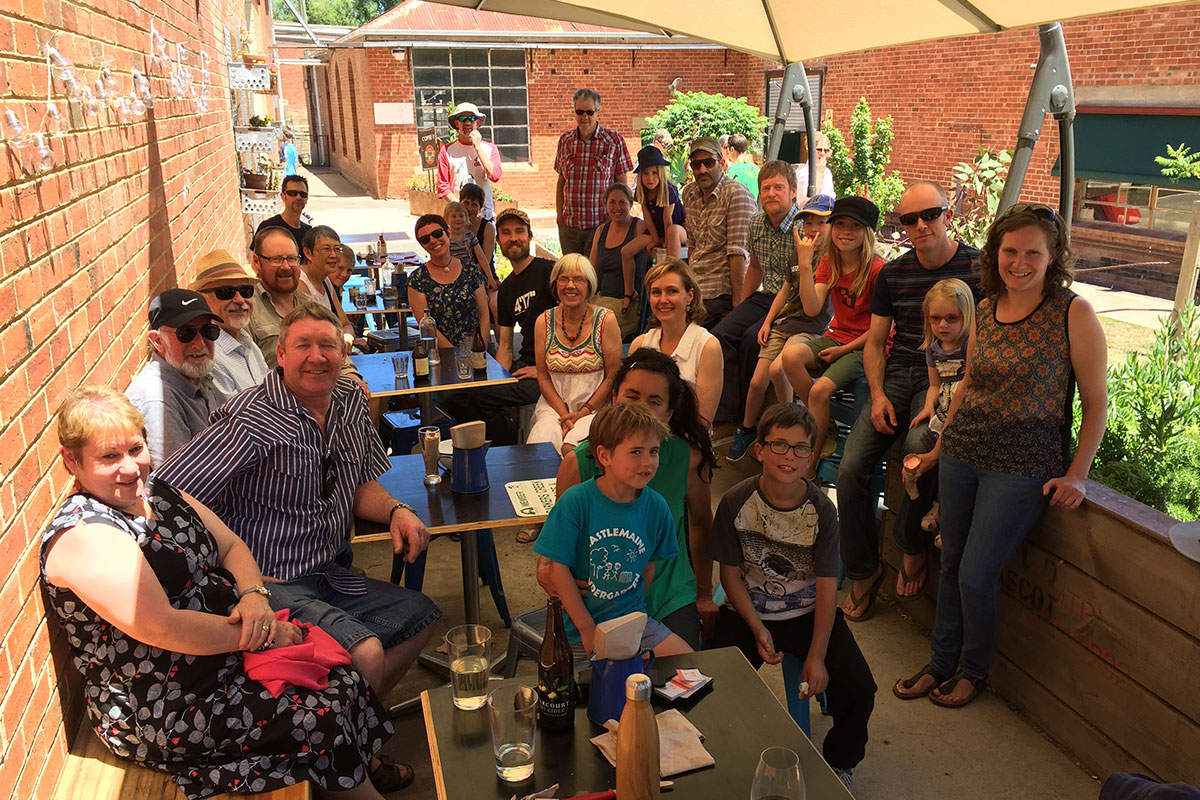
<point x="201" y="718"/>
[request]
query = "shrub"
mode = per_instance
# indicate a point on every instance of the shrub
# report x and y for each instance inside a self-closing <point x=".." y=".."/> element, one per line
<point x="979" y="185"/>
<point x="860" y="166"/>
<point x="691" y="115"/>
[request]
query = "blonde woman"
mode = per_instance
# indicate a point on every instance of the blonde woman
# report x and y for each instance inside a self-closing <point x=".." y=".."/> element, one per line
<point x="824" y="180"/>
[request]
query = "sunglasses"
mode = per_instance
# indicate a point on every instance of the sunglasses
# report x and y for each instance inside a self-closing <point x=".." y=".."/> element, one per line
<point x="929" y="215"/>
<point x="227" y="292"/>
<point x="467" y="118"/>
<point x="329" y="467"/>
<point x="825" y="150"/>
<point x="579" y="112"/>
<point x="295" y="193"/>
<point x="436" y="233"/>
<point x="798" y="450"/>
<point x="188" y="332"/>
<point x="707" y="163"/>
<point x="1040" y="210"/>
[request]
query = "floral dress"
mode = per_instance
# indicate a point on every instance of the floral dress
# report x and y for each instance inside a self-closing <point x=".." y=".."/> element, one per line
<point x="201" y="718"/>
<point x="452" y="305"/>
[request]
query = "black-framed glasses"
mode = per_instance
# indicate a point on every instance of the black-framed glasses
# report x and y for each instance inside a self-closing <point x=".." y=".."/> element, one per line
<point x="798" y="450"/>
<point x="927" y="214"/>
<point x="466" y="118"/>
<point x="579" y="112"/>
<point x="1037" y="209"/>
<point x="279" y="261"/>
<point x="436" y="233"/>
<point x="188" y="332"/>
<point x="707" y="163"/>
<point x="227" y="292"/>
<point x="329" y="468"/>
<point x="296" y="193"/>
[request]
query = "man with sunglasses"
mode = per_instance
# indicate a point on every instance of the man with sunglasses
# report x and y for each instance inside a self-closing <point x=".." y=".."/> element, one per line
<point x="294" y="193"/>
<point x="175" y="391"/>
<point x="468" y="159"/>
<point x="899" y="380"/>
<point x="589" y="160"/>
<point x="229" y="287"/>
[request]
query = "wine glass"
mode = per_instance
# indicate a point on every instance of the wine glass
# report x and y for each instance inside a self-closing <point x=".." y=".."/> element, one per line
<point x="778" y="776"/>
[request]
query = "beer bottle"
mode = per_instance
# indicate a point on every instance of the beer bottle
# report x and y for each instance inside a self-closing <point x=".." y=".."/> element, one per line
<point x="420" y="358"/>
<point x="637" y="743"/>
<point x="382" y="249"/>
<point x="556" y="674"/>
<point x="478" y="353"/>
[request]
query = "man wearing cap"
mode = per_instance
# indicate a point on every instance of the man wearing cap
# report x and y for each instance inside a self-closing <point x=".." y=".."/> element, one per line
<point x="294" y="194"/>
<point x="468" y="159"/>
<point x="589" y="160"/>
<point x="772" y="256"/>
<point x="718" y="225"/>
<point x="229" y="287"/>
<point x="523" y="296"/>
<point x="174" y="391"/>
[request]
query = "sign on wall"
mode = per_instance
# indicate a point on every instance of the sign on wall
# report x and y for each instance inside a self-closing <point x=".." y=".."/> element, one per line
<point x="394" y="114"/>
<point x="427" y="147"/>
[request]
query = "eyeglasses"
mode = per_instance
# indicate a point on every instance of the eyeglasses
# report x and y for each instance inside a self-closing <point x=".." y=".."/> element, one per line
<point x="707" y="163"/>
<point x="436" y="233"/>
<point x="572" y="279"/>
<point x="929" y="215"/>
<point x="328" y="249"/>
<point x="227" y="292"/>
<point x="279" y="261"/>
<point x="1037" y="209"/>
<point x="329" y="466"/>
<point x="467" y="118"/>
<point x="188" y="332"/>
<point x="798" y="450"/>
<point x="825" y="150"/>
<point x="296" y="193"/>
<point x="579" y="112"/>
<point x="949" y="319"/>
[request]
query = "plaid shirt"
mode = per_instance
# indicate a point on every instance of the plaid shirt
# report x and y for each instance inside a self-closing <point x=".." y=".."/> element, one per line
<point x="589" y="169"/>
<point x="718" y="226"/>
<point x="774" y="247"/>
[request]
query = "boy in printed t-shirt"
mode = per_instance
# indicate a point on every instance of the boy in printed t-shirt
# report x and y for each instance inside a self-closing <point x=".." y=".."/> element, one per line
<point x="776" y="538"/>
<point x="611" y="529"/>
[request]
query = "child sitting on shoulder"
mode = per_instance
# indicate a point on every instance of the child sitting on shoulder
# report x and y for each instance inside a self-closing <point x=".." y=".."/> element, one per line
<point x="611" y="529"/>
<point x="776" y="538"/>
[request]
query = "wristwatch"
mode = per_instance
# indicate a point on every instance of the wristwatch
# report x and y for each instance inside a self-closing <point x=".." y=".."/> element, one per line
<point x="256" y="589"/>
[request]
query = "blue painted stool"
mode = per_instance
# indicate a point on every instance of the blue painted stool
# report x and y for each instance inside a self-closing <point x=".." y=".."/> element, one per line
<point x="489" y="571"/>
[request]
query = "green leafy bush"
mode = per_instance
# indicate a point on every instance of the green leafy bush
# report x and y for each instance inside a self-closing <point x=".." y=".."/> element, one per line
<point x="860" y="165"/>
<point x="691" y="115"/>
<point x="1179" y="164"/>
<point x="980" y="184"/>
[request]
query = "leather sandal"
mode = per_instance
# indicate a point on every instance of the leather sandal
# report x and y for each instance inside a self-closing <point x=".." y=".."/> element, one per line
<point x="391" y="775"/>
<point x="918" y="575"/>
<point x="910" y="682"/>
<point x="977" y="686"/>
<point x="865" y="602"/>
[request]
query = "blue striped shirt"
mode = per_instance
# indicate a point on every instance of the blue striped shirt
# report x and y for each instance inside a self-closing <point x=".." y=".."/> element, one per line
<point x="260" y="466"/>
<point x="900" y="292"/>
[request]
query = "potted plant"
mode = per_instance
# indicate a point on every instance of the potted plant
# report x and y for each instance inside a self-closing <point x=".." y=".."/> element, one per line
<point x="422" y="195"/>
<point x="502" y="201"/>
<point x="264" y="174"/>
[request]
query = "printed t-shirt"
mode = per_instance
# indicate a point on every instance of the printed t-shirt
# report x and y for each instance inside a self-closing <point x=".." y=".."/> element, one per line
<point x="521" y="300"/>
<point x="851" y="315"/>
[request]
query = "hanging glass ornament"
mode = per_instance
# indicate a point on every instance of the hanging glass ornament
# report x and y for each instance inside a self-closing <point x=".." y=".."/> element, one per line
<point x="43" y="156"/>
<point x="13" y="128"/>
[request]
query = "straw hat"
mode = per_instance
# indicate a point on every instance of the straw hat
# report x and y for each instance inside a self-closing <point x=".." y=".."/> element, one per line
<point x="220" y="266"/>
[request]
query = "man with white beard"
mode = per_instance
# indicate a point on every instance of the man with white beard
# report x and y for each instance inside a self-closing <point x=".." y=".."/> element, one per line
<point x="174" y="391"/>
<point x="229" y="287"/>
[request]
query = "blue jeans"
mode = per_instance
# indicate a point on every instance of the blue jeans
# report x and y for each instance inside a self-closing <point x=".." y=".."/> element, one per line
<point x="985" y="516"/>
<point x="738" y="334"/>
<point x="905" y="387"/>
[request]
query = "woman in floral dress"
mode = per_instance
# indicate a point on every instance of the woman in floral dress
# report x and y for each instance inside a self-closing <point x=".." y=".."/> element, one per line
<point x="453" y="293"/>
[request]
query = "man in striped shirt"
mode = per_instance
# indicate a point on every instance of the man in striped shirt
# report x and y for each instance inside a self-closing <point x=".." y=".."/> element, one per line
<point x="286" y="465"/>
<point x="899" y="380"/>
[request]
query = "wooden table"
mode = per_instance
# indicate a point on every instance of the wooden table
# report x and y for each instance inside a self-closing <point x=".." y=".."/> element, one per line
<point x="738" y="716"/>
<point x="376" y="369"/>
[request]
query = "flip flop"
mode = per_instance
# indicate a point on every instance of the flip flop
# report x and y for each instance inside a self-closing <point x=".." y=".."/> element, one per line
<point x="977" y="686"/>
<point x="867" y="601"/>
<point x="391" y="775"/>
<point x="910" y="682"/>
<point x="528" y="535"/>
<point x="919" y="575"/>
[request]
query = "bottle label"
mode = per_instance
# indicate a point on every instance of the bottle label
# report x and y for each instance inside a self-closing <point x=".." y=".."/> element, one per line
<point x="479" y="360"/>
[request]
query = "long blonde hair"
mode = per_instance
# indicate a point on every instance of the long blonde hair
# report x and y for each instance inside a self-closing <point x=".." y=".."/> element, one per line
<point x="662" y="195"/>
<point x="865" y="258"/>
<point x="956" y="292"/>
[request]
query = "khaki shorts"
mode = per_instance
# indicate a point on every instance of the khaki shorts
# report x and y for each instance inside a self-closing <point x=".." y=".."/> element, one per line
<point x="843" y="372"/>
<point x="627" y="321"/>
<point x="778" y="340"/>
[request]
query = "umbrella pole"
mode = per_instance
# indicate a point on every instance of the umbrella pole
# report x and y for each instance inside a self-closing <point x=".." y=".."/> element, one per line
<point x="794" y="89"/>
<point x="1050" y="93"/>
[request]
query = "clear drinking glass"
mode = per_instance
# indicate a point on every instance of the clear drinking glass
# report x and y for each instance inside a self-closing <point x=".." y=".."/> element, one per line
<point x="462" y="358"/>
<point x="360" y="301"/>
<point x="369" y="286"/>
<point x="468" y="649"/>
<point x="431" y="438"/>
<point x="778" y="776"/>
<point x="400" y="366"/>
<point x="512" y="711"/>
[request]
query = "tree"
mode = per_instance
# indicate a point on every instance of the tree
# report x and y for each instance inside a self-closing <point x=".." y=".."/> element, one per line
<point x="335" y="12"/>
<point x="691" y="115"/>
<point x="1179" y="164"/>
<point x="860" y="167"/>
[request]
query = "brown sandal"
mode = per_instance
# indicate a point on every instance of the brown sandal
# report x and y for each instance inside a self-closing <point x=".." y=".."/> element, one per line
<point x="391" y="775"/>
<point x="867" y="601"/>
<point x="977" y="686"/>
<point x="919" y="575"/>
<point x="910" y="682"/>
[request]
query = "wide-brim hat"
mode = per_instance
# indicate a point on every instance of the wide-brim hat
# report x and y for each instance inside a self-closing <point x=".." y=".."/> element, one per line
<point x="650" y="156"/>
<point x="859" y="209"/>
<point x="177" y="307"/>
<point x="1186" y="538"/>
<point x="217" y="266"/>
<point x="465" y="108"/>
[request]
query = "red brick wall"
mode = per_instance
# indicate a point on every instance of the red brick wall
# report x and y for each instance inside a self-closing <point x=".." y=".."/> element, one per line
<point x="123" y="216"/>
<point x="292" y="79"/>
<point x="352" y="117"/>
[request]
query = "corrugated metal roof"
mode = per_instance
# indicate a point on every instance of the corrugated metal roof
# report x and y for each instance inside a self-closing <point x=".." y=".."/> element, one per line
<point x="419" y="15"/>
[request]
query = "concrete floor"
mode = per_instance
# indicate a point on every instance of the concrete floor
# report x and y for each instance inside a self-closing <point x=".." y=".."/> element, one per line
<point x="917" y="750"/>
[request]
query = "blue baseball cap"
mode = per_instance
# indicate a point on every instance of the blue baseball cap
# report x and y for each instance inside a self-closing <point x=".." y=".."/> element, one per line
<point x="819" y="204"/>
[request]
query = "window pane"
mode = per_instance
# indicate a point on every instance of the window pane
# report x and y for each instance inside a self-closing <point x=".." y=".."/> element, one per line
<point x="427" y="117"/>
<point x="508" y="58"/>
<point x="470" y="58"/>
<point x="508" y="116"/>
<point x="514" y="152"/>
<point x="508" y="77"/>
<point x="510" y="135"/>
<point x="431" y="77"/>
<point x="509" y="97"/>
<point x="477" y="96"/>
<point x="430" y="57"/>
<point x="470" y="77"/>
<point x="432" y="97"/>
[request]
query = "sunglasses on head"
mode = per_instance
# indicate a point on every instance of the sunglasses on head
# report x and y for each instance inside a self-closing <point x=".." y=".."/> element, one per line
<point x="227" y="292"/>
<point x="928" y="214"/>
<point x="707" y="163"/>
<point x="1037" y="209"/>
<point x="466" y="118"/>
<point x="295" y="193"/>
<point x="436" y="233"/>
<point x="579" y="112"/>
<point x="188" y="332"/>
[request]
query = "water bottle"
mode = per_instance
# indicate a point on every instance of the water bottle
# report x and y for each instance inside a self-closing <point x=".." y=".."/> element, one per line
<point x="429" y="337"/>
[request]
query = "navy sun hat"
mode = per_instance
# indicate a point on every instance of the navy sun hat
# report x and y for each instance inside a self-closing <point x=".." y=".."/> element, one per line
<point x="650" y="156"/>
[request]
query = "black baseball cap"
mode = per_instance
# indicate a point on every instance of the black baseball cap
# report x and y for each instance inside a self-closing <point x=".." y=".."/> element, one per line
<point x="177" y="307"/>
<point x="859" y="209"/>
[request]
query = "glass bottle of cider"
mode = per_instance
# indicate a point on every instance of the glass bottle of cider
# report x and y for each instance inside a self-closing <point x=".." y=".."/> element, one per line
<point x="556" y="674"/>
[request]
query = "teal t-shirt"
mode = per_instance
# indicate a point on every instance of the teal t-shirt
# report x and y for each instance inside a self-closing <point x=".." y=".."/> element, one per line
<point x="674" y="584"/>
<point x="608" y="544"/>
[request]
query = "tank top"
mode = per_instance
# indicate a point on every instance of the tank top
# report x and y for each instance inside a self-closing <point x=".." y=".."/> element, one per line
<point x="586" y="356"/>
<point x="1016" y="415"/>
<point x="608" y="261"/>
<point x="491" y="257"/>
<point x="687" y="353"/>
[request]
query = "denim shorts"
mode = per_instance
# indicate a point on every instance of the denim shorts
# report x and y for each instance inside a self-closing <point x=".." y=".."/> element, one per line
<point x="654" y="634"/>
<point x="388" y="612"/>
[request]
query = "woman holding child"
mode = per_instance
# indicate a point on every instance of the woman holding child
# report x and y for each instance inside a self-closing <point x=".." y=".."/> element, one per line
<point x="160" y="603"/>
<point x="1005" y="443"/>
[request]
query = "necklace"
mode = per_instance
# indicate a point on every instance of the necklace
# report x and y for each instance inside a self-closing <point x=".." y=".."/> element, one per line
<point x="578" y="330"/>
<point x="445" y="267"/>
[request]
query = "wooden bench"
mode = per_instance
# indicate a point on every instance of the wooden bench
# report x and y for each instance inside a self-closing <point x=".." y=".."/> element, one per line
<point x="92" y="771"/>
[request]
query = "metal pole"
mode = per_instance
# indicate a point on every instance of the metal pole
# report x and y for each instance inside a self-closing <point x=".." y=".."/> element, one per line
<point x="1050" y="93"/>
<point x="794" y="89"/>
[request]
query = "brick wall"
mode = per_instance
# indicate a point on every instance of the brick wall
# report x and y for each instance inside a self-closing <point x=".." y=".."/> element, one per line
<point x="123" y="215"/>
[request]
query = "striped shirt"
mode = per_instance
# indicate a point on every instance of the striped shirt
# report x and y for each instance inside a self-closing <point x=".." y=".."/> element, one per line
<point x="774" y="247"/>
<point x="261" y="468"/>
<point x="900" y="291"/>
<point x="718" y="226"/>
<point x="238" y="364"/>
<point x="589" y="168"/>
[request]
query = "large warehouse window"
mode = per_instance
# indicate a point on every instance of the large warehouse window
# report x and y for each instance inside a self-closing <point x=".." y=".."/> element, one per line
<point x="494" y="80"/>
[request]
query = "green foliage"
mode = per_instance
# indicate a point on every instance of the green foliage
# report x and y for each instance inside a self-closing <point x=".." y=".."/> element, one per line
<point x="980" y="184"/>
<point x="1151" y="450"/>
<point x="1179" y="163"/>
<point x="691" y="115"/>
<point x="859" y="166"/>
<point x="335" y="12"/>
<point x="422" y="181"/>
